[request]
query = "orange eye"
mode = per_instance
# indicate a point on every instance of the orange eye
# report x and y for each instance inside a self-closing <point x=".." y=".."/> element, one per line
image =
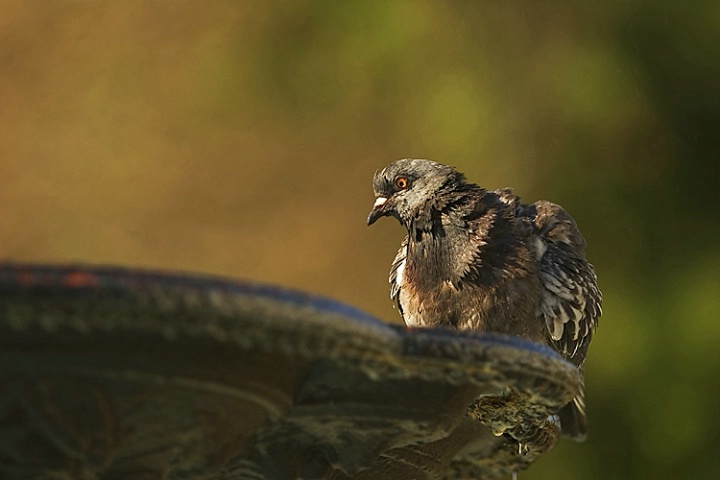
<point x="401" y="183"/>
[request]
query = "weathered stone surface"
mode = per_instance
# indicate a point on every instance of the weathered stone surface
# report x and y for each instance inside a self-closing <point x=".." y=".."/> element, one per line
<point x="118" y="374"/>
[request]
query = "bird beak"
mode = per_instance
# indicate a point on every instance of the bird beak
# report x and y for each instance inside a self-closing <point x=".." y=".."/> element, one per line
<point x="380" y="209"/>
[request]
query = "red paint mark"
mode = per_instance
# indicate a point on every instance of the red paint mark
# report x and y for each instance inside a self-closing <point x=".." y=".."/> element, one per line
<point x="80" y="279"/>
<point x="25" y="277"/>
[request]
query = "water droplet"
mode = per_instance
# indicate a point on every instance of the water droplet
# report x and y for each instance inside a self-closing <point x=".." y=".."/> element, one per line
<point x="522" y="448"/>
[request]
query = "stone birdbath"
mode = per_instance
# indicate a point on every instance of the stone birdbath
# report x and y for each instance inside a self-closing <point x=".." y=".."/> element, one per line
<point x="110" y="373"/>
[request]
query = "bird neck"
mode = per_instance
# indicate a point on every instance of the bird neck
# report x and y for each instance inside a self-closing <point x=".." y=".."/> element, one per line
<point x="429" y="257"/>
<point x="448" y="201"/>
<point x="437" y="236"/>
<point x="465" y="232"/>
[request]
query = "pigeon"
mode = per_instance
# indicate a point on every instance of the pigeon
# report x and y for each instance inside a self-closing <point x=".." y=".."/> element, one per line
<point x="480" y="260"/>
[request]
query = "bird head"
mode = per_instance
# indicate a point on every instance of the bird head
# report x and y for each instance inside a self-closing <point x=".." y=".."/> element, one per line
<point x="404" y="188"/>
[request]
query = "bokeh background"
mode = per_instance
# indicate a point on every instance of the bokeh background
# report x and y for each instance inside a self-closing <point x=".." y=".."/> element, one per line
<point x="239" y="138"/>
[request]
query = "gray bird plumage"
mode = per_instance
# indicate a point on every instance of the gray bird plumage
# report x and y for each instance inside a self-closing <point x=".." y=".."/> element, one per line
<point x="475" y="259"/>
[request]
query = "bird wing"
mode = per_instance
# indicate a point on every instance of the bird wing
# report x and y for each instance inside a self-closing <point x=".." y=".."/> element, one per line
<point x="571" y="301"/>
<point x="397" y="274"/>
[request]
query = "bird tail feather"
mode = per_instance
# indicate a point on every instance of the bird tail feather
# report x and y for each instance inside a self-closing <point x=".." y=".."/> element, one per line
<point x="573" y="421"/>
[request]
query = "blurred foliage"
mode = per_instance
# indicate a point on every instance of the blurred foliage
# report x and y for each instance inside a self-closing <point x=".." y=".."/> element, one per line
<point x="240" y="138"/>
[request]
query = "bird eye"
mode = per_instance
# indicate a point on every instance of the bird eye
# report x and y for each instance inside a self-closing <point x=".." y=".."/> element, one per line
<point x="401" y="183"/>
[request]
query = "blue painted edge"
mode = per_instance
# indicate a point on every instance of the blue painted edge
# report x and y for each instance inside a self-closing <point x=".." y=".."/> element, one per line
<point x="81" y="277"/>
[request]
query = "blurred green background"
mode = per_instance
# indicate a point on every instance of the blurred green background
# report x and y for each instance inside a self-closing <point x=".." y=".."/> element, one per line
<point x="240" y="138"/>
